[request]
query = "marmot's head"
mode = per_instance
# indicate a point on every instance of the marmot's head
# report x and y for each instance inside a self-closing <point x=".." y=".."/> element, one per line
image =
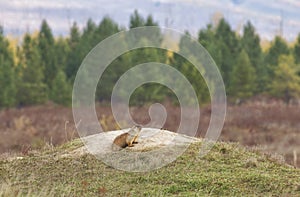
<point x="137" y="127"/>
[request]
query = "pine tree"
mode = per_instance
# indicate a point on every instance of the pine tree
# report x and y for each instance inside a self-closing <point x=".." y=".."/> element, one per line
<point x="190" y="71"/>
<point x="150" y="21"/>
<point x="32" y="89"/>
<point x="61" y="49"/>
<point x="278" y="47"/>
<point x="147" y="92"/>
<point x="286" y="82"/>
<point x="74" y="36"/>
<point x="87" y="41"/>
<point x="80" y="45"/>
<point x="7" y="74"/>
<point x="74" y="56"/>
<point x="230" y="48"/>
<point x="110" y="77"/>
<point x="243" y="77"/>
<point x="60" y="87"/>
<point x="251" y="44"/>
<point x="61" y="92"/>
<point x="47" y="52"/>
<point x="297" y="50"/>
<point x="136" y="20"/>
<point x="207" y="38"/>
<point x="106" y="28"/>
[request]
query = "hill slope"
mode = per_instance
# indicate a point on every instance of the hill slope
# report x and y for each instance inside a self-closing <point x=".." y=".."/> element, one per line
<point x="228" y="170"/>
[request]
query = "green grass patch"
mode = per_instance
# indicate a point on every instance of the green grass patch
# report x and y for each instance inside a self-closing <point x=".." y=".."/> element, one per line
<point x="227" y="170"/>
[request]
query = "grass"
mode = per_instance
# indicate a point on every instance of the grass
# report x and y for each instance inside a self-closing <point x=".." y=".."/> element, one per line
<point x="228" y="170"/>
<point x="260" y="121"/>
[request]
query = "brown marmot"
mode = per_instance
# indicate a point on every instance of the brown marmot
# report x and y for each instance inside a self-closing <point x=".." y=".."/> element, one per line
<point x="127" y="139"/>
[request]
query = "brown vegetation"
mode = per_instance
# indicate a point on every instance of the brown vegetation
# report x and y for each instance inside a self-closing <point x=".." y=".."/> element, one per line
<point x="265" y="124"/>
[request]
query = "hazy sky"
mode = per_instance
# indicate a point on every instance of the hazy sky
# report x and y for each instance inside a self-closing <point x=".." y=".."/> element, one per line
<point x="18" y="16"/>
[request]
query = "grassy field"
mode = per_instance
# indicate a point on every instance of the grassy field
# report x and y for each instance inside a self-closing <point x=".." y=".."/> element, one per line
<point x="268" y="124"/>
<point x="228" y="170"/>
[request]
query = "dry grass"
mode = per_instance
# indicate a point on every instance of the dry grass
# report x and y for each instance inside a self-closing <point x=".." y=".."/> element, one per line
<point x="35" y="127"/>
<point x="266" y="124"/>
<point x="270" y="125"/>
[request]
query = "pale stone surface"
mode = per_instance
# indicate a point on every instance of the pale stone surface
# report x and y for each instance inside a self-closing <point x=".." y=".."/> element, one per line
<point x="155" y="149"/>
<point x="150" y="138"/>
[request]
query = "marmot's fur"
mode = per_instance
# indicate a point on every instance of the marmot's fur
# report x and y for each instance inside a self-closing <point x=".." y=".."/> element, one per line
<point x="126" y="139"/>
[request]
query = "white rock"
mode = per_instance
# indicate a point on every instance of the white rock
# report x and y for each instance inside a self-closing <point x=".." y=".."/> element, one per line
<point x="150" y="138"/>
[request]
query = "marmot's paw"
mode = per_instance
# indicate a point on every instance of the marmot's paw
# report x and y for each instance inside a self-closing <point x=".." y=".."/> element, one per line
<point x="115" y="147"/>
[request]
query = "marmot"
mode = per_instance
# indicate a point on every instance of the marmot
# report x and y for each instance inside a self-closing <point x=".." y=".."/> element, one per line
<point x="126" y="139"/>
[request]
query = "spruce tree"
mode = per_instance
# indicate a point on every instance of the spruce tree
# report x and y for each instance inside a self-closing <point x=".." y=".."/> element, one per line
<point x="61" y="51"/>
<point x="297" y="50"/>
<point x="106" y="28"/>
<point x="136" y="20"/>
<point x="147" y="92"/>
<point x="150" y="21"/>
<point x="74" y="56"/>
<point x="286" y="83"/>
<point x="278" y="47"/>
<point x="74" y="36"/>
<point x="230" y="48"/>
<point x="47" y="52"/>
<point x="251" y="44"/>
<point x="190" y="71"/>
<point x="87" y="41"/>
<point x="243" y="77"/>
<point x="61" y="92"/>
<point x="207" y="38"/>
<point x="7" y="74"/>
<point x="32" y="89"/>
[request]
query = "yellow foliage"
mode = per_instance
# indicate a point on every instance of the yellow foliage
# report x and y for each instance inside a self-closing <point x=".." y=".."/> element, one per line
<point x="35" y="34"/>
<point x="13" y="43"/>
<point x="24" y="124"/>
<point x="108" y="123"/>
<point x="265" y="45"/>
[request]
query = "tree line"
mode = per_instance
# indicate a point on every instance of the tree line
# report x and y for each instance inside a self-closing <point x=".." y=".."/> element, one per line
<point x="42" y="67"/>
